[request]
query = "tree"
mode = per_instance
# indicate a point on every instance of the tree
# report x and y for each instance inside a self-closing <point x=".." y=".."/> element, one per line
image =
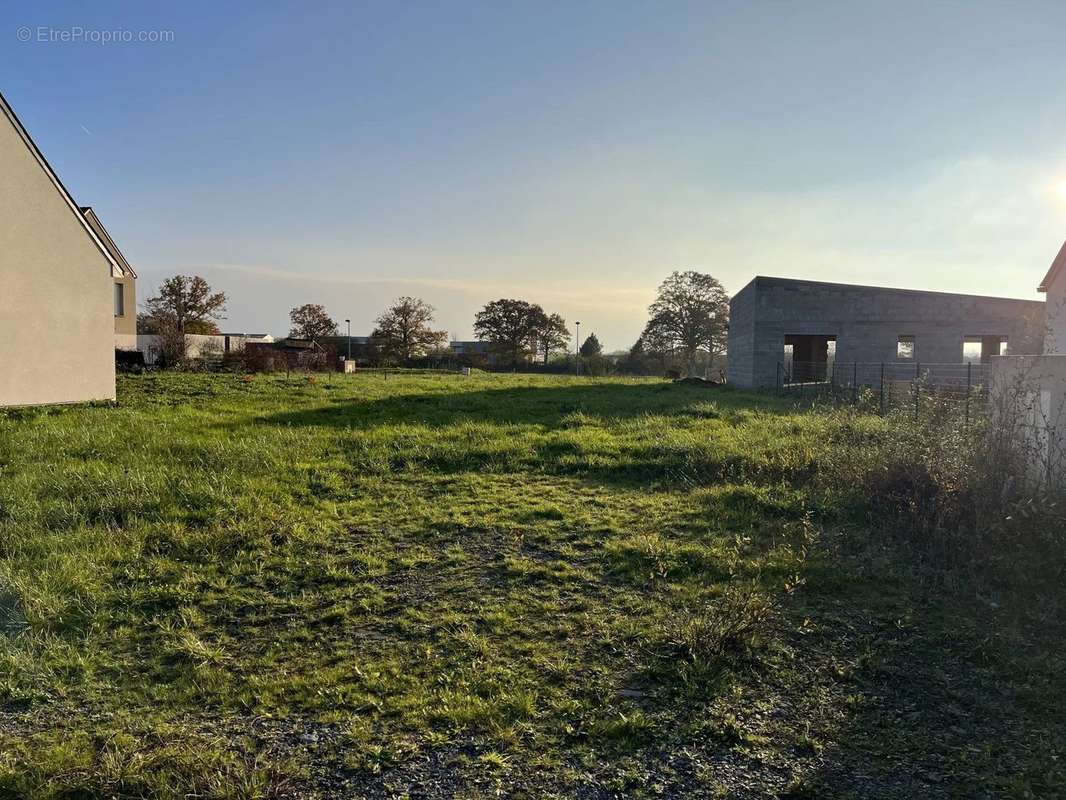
<point x="184" y="305"/>
<point x="691" y="313"/>
<point x="310" y="321"/>
<point x="591" y="346"/>
<point x="512" y="326"/>
<point x="552" y="334"/>
<point x="404" y="329"/>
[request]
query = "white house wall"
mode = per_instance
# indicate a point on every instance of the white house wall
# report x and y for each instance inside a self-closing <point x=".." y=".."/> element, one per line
<point x="56" y="296"/>
<point x="1056" y="316"/>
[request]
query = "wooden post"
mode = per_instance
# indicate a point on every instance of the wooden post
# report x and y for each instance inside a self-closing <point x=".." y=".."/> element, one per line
<point x="882" y="388"/>
<point x="969" y="383"/>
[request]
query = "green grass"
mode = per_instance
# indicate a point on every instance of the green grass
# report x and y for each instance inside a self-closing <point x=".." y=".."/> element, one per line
<point x="523" y="585"/>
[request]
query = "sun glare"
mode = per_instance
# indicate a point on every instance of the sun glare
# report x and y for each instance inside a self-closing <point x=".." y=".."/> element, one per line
<point x="1061" y="189"/>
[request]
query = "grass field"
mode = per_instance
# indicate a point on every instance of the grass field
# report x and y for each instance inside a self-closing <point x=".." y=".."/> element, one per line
<point x="528" y="586"/>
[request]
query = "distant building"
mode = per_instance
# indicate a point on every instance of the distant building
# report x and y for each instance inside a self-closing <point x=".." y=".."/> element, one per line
<point x="232" y="342"/>
<point x="472" y="349"/>
<point x="486" y="353"/>
<point x="364" y="349"/>
<point x="206" y="346"/>
<point x="781" y="325"/>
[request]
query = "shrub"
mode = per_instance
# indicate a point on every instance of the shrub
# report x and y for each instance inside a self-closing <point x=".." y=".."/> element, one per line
<point x="260" y="358"/>
<point x="729" y="626"/>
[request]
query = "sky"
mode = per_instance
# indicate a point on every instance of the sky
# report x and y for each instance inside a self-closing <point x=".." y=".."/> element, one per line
<point x="570" y="154"/>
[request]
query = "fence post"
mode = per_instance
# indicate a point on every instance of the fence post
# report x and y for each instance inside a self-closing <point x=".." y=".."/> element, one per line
<point x="917" y="386"/>
<point x="969" y="380"/>
<point x="855" y="382"/>
<point x="882" y="388"/>
<point x="779" y="382"/>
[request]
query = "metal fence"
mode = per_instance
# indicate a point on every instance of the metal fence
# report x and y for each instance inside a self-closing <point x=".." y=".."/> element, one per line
<point x="889" y="385"/>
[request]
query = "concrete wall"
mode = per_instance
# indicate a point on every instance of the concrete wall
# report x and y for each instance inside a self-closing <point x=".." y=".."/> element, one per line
<point x="741" y="369"/>
<point x="57" y="323"/>
<point x="198" y="345"/>
<point x="1029" y="403"/>
<point x="866" y="322"/>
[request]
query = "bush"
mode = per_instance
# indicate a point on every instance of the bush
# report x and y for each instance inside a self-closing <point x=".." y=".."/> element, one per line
<point x="954" y="494"/>
<point x="129" y="360"/>
<point x="262" y="359"/>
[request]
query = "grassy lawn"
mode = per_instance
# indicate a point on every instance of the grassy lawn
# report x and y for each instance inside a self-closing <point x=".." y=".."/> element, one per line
<point x="440" y="586"/>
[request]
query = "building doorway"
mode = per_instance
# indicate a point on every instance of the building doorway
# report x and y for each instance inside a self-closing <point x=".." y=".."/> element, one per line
<point x="807" y="357"/>
<point x="980" y="349"/>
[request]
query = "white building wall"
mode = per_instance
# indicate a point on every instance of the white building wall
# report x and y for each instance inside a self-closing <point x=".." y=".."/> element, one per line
<point x="198" y="345"/>
<point x="57" y="323"/>
<point x="1055" y="342"/>
<point x="1029" y="403"/>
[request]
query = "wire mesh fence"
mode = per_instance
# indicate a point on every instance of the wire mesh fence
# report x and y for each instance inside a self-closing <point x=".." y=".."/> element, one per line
<point x="890" y="385"/>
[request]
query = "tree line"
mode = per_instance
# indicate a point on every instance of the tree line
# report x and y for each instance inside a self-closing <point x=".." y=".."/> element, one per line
<point x="689" y="317"/>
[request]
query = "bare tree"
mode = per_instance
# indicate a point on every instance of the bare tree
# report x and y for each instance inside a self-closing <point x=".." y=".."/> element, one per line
<point x="404" y="329"/>
<point x="691" y="313"/>
<point x="184" y="304"/>
<point x="310" y="321"/>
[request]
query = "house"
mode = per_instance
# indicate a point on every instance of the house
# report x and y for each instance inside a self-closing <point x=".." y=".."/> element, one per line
<point x="57" y="322"/>
<point x="1054" y="285"/>
<point x="781" y="326"/>
<point x="125" y="288"/>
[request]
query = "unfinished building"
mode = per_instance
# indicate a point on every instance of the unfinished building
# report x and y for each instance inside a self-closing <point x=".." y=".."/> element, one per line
<point x="797" y="329"/>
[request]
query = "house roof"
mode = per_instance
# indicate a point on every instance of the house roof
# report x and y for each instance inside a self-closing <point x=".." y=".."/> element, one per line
<point x="7" y="111"/>
<point x="1057" y="266"/>
<point x="105" y="237"/>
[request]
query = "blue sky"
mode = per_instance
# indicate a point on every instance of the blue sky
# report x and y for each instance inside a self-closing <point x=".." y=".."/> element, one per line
<point x="568" y="153"/>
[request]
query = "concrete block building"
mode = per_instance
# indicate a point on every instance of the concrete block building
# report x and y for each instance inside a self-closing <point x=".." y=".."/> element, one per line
<point x="779" y="321"/>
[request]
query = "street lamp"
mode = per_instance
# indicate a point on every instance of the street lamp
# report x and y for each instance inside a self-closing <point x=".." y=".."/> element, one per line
<point x="577" y="348"/>
<point x="349" y="339"/>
